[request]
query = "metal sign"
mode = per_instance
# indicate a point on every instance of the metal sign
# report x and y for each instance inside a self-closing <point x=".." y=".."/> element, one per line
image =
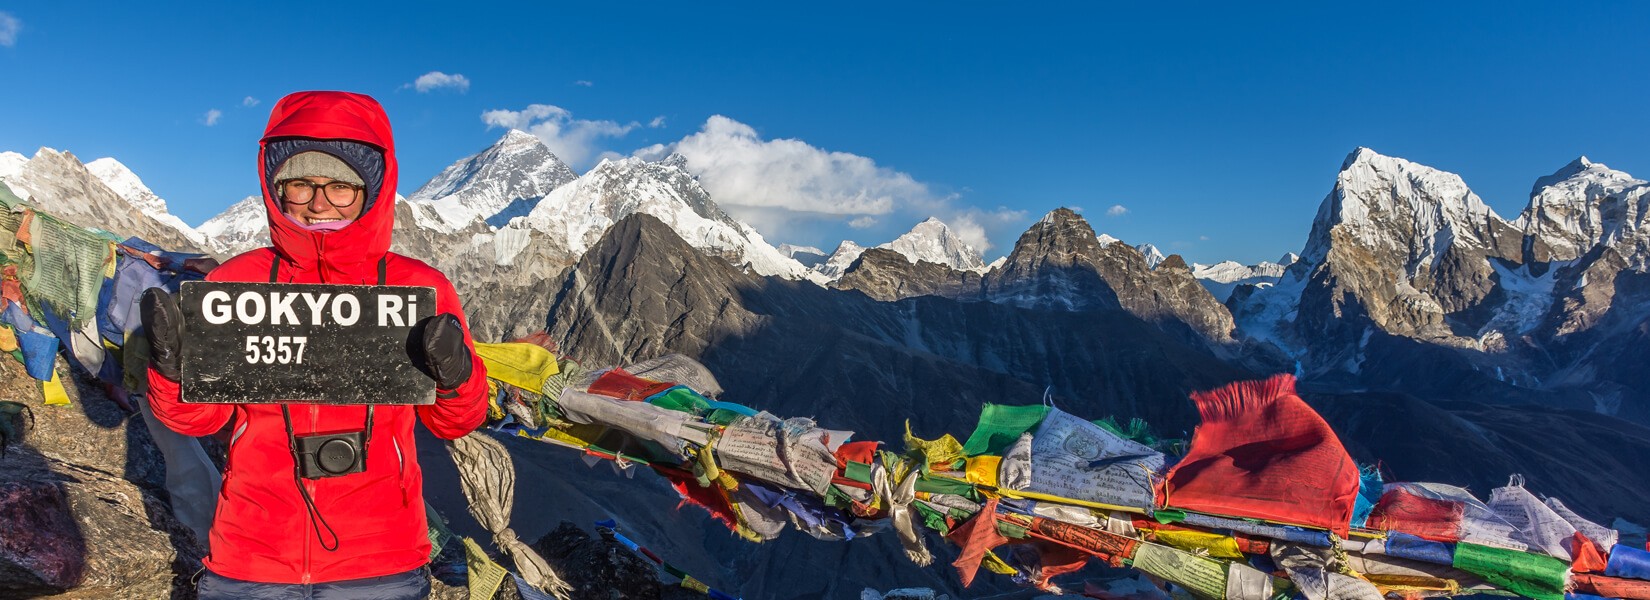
<point x="290" y="342"/>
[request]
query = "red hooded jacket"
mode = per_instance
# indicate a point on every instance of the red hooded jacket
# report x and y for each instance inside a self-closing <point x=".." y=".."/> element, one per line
<point x="263" y="531"/>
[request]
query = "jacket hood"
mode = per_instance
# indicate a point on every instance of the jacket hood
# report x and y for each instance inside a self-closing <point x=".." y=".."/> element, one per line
<point x="354" y="128"/>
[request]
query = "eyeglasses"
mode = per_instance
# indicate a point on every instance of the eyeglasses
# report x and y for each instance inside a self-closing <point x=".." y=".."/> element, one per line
<point x="340" y="194"/>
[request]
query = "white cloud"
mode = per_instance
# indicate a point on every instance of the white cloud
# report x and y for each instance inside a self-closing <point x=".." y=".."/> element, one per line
<point x="249" y="102"/>
<point x="584" y="83"/>
<point x="435" y="80"/>
<point x="976" y="225"/>
<point x="1203" y="238"/>
<point x="211" y="117"/>
<point x="1117" y="210"/>
<point x="785" y="186"/>
<point x="572" y="140"/>
<point x="9" y="27"/>
<point x="657" y="122"/>
<point x="740" y="168"/>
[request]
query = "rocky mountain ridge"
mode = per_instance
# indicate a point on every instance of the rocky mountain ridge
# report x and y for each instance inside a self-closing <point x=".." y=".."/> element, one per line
<point x="1404" y="253"/>
<point x="930" y="241"/>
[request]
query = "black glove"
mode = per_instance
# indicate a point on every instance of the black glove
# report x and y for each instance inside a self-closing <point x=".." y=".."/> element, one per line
<point x="440" y="351"/>
<point x="161" y="320"/>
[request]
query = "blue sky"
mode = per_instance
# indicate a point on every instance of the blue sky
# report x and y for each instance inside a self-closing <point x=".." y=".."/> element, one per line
<point x="1218" y="128"/>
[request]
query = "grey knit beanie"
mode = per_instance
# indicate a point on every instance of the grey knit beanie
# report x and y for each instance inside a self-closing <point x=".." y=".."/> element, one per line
<point x="317" y="164"/>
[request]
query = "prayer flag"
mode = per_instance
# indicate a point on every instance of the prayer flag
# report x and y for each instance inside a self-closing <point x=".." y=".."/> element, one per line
<point x="1262" y="453"/>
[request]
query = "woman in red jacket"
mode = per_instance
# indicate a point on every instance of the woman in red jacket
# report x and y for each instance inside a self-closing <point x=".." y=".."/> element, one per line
<point x="327" y="165"/>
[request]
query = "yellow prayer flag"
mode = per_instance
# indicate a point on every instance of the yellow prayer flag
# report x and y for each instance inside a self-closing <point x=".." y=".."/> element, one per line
<point x="485" y="575"/>
<point x="54" y="392"/>
<point x="942" y="454"/>
<point x="995" y="564"/>
<point x="525" y="366"/>
<point x="1212" y="544"/>
<point x="982" y="469"/>
<point x="693" y="584"/>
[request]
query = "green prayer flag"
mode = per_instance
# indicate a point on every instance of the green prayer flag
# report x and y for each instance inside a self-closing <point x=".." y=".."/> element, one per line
<point x="1531" y="575"/>
<point x="680" y="398"/>
<point x="931" y="518"/>
<point x="1000" y="425"/>
<point x="954" y="487"/>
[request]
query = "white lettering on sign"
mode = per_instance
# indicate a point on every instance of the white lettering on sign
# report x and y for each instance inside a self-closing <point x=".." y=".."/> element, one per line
<point x="339" y="302"/>
<point x="278" y="308"/>
<point x="270" y="350"/>
<point x="281" y="305"/>
<point x="215" y="307"/>
<point x="315" y="305"/>
<point x="389" y="309"/>
<point x="249" y="307"/>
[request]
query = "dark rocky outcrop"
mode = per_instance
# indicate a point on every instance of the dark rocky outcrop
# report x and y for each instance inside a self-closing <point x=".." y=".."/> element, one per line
<point x="887" y="275"/>
<point x="1059" y="264"/>
<point x="83" y="510"/>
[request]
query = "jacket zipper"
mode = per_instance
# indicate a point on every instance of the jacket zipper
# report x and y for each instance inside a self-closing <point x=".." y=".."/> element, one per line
<point x="400" y="469"/>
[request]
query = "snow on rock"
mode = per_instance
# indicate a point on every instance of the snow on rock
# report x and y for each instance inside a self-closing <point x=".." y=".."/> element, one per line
<point x="1269" y="312"/>
<point x="846" y="253"/>
<point x="1223" y="277"/>
<point x="933" y="242"/>
<point x="1570" y="210"/>
<point x="1529" y="297"/>
<point x="241" y="227"/>
<point x="11" y="163"/>
<point x="580" y="211"/>
<point x="929" y="241"/>
<point x="1391" y="205"/>
<point x="1153" y="256"/>
<point x="130" y="188"/>
<point x="505" y="180"/>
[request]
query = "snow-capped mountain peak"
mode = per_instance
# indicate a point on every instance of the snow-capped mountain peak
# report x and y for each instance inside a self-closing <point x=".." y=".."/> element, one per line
<point x="1389" y="203"/>
<point x="1153" y="256"/>
<point x="243" y="226"/>
<point x="843" y="257"/>
<point x="503" y="181"/>
<point x="126" y="184"/>
<point x="1564" y="218"/>
<point x="932" y="241"/>
<point x="11" y="163"/>
<point x="580" y="211"/>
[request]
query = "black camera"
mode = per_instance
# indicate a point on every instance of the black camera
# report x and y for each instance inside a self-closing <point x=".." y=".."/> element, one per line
<point x="331" y="455"/>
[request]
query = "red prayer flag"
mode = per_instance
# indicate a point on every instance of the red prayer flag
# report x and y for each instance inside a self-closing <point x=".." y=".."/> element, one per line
<point x="861" y="452"/>
<point x="1588" y="557"/>
<point x="712" y="498"/>
<point x="1262" y="453"/>
<point x="1611" y="587"/>
<point x="616" y="383"/>
<point x="1426" y="518"/>
<point x="976" y="537"/>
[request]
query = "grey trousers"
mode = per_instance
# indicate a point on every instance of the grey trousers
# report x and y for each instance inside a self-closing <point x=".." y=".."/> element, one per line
<point x="412" y="585"/>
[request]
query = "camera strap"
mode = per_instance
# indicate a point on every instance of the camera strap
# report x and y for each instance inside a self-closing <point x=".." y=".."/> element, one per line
<point x="315" y="518"/>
